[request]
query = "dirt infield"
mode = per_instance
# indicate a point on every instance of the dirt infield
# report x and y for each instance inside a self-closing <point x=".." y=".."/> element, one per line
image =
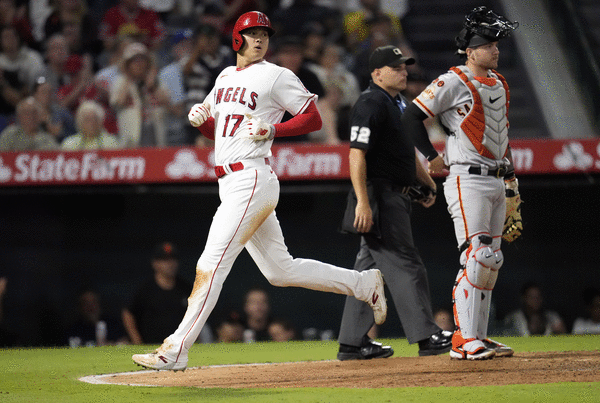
<point x="395" y="372"/>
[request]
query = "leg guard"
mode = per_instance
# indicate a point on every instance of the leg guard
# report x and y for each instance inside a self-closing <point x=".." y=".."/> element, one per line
<point x="470" y="285"/>
<point x="486" y="294"/>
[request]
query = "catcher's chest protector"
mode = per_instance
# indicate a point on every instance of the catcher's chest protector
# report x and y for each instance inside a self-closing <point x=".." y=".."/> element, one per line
<point x="485" y="127"/>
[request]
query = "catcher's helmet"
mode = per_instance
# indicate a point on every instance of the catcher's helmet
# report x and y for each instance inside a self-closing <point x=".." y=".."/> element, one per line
<point x="482" y="26"/>
<point x="247" y="20"/>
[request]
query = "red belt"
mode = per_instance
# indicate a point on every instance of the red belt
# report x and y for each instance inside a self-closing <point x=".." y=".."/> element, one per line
<point x="220" y="170"/>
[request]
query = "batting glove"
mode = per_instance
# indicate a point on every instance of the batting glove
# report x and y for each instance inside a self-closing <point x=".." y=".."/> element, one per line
<point x="199" y="114"/>
<point x="256" y="129"/>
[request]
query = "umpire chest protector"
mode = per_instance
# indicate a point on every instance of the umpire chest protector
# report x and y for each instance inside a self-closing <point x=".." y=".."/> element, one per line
<point x="485" y="127"/>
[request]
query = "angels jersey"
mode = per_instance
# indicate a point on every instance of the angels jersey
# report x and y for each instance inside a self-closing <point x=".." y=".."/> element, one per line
<point x="473" y="112"/>
<point x="264" y="90"/>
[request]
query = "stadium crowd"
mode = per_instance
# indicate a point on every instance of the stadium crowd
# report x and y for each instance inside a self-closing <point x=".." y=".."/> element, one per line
<point x="105" y="74"/>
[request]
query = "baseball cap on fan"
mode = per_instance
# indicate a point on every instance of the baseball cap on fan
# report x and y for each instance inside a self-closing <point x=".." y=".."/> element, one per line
<point x="388" y="56"/>
<point x="165" y="250"/>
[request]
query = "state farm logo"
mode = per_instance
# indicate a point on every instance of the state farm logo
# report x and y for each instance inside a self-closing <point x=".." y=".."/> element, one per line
<point x="573" y="155"/>
<point x="58" y="168"/>
<point x="287" y="162"/>
<point x="185" y="164"/>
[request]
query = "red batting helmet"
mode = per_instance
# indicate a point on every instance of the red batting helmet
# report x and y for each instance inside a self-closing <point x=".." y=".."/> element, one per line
<point x="250" y="19"/>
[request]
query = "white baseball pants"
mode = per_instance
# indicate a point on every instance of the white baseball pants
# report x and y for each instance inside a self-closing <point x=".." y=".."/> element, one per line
<point x="246" y="218"/>
<point x="478" y="207"/>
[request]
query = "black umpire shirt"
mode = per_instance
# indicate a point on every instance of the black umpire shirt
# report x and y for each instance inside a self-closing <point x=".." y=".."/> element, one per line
<point x="376" y="127"/>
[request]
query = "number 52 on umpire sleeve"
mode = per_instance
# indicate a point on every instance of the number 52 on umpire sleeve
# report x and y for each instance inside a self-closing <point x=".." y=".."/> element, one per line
<point x="360" y="134"/>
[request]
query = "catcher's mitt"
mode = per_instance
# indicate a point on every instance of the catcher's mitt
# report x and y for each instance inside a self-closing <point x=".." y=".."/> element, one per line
<point x="513" y="225"/>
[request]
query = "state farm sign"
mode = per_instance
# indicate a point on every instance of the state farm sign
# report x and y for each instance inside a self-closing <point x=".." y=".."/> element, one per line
<point x="80" y="168"/>
<point x="290" y="162"/>
<point x="169" y="165"/>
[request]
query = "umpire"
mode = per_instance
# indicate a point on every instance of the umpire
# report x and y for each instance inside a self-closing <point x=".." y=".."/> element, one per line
<point x="384" y="171"/>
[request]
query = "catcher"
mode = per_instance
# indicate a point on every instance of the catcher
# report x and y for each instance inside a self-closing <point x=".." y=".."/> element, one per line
<point x="481" y="189"/>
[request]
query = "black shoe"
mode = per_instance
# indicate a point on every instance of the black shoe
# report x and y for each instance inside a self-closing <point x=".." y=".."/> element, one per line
<point x="437" y="343"/>
<point x="368" y="350"/>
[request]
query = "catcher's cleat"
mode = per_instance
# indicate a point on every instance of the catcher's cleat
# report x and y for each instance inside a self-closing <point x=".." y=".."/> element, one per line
<point x="502" y="350"/>
<point x="377" y="301"/>
<point x="476" y="350"/>
<point x="160" y="361"/>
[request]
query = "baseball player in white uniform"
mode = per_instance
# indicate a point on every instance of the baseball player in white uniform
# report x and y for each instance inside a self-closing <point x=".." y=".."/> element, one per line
<point x="472" y="104"/>
<point x="243" y="114"/>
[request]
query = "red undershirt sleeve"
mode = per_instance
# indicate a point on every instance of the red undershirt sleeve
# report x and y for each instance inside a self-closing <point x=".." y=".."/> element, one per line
<point x="208" y="128"/>
<point x="305" y="122"/>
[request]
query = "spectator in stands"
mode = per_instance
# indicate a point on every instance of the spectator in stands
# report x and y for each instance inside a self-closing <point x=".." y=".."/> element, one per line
<point x="230" y="329"/>
<point x="281" y="330"/>
<point x="171" y="77"/>
<point x="257" y="310"/>
<point x="19" y="67"/>
<point x="381" y="32"/>
<point x="71" y="18"/>
<point x="590" y="323"/>
<point x="341" y="85"/>
<point x="105" y="78"/>
<point x="139" y="100"/>
<point x="163" y="8"/>
<point x="91" y="327"/>
<point x="91" y="134"/>
<point x="292" y="20"/>
<point x="289" y="54"/>
<point x="314" y="39"/>
<point x="358" y="24"/>
<point x="532" y="318"/>
<point x="160" y="302"/>
<point x="128" y="18"/>
<point x="15" y="15"/>
<point x="57" y="56"/>
<point x="80" y="84"/>
<point x="27" y="133"/>
<point x="56" y="120"/>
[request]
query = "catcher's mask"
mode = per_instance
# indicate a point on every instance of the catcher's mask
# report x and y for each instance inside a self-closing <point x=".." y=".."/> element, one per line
<point x="483" y="26"/>
<point x="247" y="20"/>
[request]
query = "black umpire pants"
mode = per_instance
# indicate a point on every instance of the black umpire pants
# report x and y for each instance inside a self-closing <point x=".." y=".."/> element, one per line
<point x="396" y="256"/>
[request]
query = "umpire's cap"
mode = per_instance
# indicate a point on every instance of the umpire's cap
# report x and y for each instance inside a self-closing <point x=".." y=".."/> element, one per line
<point x="388" y="56"/>
<point x="165" y="250"/>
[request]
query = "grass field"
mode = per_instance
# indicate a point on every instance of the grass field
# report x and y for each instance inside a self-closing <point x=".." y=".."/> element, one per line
<point x="52" y="375"/>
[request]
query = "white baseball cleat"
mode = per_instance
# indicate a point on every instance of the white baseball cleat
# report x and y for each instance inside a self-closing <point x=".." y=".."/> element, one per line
<point x="475" y="351"/>
<point x="160" y="361"/>
<point x="377" y="300"/>
<point x="502" y="350"/>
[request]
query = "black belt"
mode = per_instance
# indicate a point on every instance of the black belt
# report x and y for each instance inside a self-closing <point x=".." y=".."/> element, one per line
<point x="498" y="172"/>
